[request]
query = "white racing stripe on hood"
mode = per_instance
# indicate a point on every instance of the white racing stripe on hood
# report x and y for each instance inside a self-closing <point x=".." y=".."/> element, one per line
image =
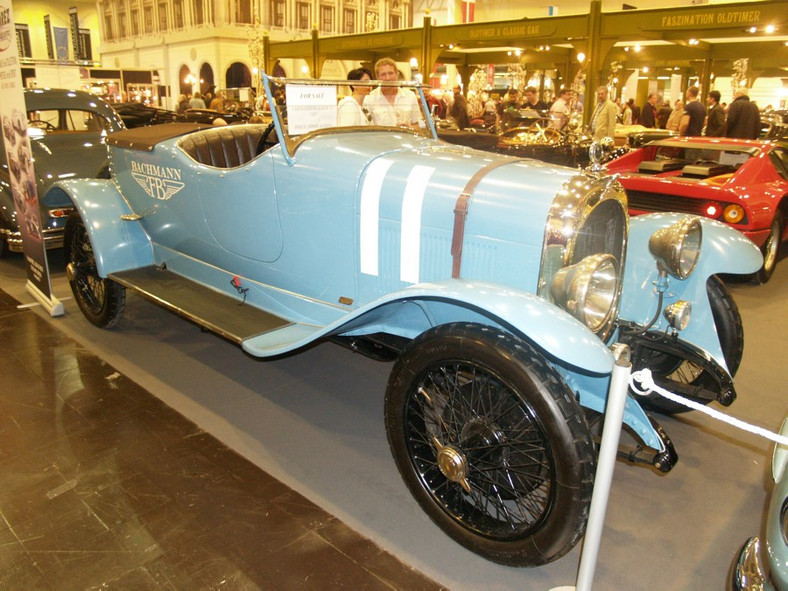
<point x="370" y="214"/>
<point x="410" y="245"/>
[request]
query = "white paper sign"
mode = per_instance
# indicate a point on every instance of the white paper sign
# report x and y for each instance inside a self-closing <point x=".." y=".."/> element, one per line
<point x="310" y="108"/>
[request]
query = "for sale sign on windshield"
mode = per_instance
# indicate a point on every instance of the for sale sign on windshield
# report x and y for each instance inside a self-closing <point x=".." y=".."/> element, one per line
<point x="310" y="107"/>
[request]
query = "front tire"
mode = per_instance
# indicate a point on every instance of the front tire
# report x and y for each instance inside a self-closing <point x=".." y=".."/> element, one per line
<point x="491" y="443"/>
<point x="730" y="331"/>
<point x="101" y="300"/>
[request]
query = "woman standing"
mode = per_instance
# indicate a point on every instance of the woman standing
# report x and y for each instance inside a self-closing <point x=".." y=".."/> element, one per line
<point x="350" y="110"/>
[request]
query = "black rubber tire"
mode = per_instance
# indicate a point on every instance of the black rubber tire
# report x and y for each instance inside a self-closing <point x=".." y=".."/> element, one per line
<point x="101" y="300"/>
<point x="730" y="330"/>
<point x="507" y="418"/>
<point x="770" y="250"/>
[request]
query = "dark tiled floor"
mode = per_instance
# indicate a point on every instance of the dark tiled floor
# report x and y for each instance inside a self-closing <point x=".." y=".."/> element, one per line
<point x="101" y="484"/>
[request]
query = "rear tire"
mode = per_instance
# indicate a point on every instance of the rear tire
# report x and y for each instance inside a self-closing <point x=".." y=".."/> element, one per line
<point x="101" y="300"/>
<point x="770" y="250"/>
<point x="491" y="443"/>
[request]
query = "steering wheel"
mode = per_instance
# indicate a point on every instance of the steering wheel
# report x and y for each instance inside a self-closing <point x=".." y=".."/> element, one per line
<point x="40" y="124"/>
<point x="261" y="145"/>
<point x="546" y="134"/>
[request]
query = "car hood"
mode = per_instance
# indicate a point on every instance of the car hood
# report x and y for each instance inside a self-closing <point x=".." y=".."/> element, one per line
<point x="421" y="185"/>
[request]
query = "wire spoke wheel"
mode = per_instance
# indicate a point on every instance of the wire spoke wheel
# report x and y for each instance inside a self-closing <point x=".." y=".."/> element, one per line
<point x="86" y="280"/>
<point x="479" y="450"/>
<point x="101" y="300"/>
<point x="491" y="443"/>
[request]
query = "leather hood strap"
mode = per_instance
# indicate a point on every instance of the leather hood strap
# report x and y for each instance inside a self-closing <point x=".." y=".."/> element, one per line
<point x="461" y="213"/>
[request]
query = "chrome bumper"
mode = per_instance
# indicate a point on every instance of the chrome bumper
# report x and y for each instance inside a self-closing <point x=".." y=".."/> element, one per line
<point x="52" y="239"/>
<point x="748" y="573"/>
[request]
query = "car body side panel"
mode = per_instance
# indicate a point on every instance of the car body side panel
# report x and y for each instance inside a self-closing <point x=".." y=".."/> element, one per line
<point x="118" y="244"/>
<point x="722" y="250"/>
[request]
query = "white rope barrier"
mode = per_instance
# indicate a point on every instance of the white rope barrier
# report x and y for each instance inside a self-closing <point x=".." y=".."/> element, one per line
<point x="647" y="386"/>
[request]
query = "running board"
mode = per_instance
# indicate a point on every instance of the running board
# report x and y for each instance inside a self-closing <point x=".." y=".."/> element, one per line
<point x="225" y="315"/>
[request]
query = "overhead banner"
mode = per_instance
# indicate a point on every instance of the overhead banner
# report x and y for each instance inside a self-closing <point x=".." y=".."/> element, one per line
<point x="20" y="164"/>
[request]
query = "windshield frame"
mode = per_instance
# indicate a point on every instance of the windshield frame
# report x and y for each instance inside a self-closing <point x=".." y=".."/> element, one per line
<point x="290" y="143"/>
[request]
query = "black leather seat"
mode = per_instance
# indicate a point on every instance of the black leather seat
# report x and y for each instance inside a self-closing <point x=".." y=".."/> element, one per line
<point x="223" y="147"/>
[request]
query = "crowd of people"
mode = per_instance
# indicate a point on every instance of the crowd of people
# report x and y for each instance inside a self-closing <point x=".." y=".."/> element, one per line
<point x="389" y="105"/>
<point x="690" y="117"/>
<point x="211" y="99"/>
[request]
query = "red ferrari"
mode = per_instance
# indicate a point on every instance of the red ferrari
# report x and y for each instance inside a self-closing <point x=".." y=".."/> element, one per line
<point x="743" y="183"/>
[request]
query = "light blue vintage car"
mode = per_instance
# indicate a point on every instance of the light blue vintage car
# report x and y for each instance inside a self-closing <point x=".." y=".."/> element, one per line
<point x="497" y="286"/>
<point x="67" y="129"/>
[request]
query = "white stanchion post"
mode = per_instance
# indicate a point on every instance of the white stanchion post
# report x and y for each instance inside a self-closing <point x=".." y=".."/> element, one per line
<point x="614" y="415"/>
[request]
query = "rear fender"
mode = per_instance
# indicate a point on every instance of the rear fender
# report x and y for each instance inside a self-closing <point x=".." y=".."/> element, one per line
<point x="723" y="250"/>
<point x="118" y="244"/>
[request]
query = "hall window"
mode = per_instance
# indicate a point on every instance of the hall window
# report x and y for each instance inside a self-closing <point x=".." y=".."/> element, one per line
<point x="135" y="22"/>
<point x="23" y="40"/>
<point x="85" y="48"/>
<point x="243" y="11"/>
<point x="198" y="12"/>
<point x="108" y="28"/>
<point x="395" y="21"/>
<point x="326" y="18"/>
<point x="177" y="13"/>
<point x="302" y="16"/>
<point x="147" y="19"/>
<point x="163" y="17"/>
<point x="278" y="13"/>
<point x="122" y="23"/>
<point x="349" y="21"/>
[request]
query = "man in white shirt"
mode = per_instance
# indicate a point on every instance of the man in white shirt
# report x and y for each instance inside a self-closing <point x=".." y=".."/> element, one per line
<point x="391" y="106"/>
<point x="559" y="112"/>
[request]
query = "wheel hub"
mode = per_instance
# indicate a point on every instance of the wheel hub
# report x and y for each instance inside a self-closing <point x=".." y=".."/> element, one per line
<point x="453" y="464"/>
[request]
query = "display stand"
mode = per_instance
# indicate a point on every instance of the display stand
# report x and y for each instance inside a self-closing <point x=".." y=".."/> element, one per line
<point x="53" y="305"/>
<point x="614" y="415"/>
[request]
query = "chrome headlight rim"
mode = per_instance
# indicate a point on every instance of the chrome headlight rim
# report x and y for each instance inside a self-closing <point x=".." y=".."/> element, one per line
<point x="580" y="288"/>
<point x="678" y="314"/>
<point x="677" y="247"/>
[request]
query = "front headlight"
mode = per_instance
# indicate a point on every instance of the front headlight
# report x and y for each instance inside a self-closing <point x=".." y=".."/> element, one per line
<point x="588" y="289"/>
<point x="677" y="247"/>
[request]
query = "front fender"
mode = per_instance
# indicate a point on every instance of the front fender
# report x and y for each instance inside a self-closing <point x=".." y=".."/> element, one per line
<point x="118" y="244"/>
<point x="723" y="250"/>
<point x="411" y="311"/>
